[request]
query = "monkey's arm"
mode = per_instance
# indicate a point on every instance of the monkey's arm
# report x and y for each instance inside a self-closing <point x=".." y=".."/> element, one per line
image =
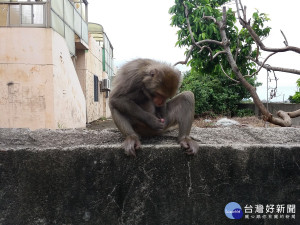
<point x="131" y="109"/>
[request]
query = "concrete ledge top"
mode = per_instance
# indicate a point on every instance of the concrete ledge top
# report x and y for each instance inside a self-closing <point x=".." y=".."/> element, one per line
<point x="236" y="137"/>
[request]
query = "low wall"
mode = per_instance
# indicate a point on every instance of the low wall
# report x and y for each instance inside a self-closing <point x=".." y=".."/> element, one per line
<point x="274" y="108"/>
<point x="83" y="177"/>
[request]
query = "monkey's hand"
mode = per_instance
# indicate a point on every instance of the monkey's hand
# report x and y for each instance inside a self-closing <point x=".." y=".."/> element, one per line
<point x="191" y="147"/>
<point x="131" y="144"/>
<point x="156" y="123"/>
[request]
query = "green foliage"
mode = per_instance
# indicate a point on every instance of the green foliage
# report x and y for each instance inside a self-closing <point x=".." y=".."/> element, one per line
<point x="212" y="89"/>
<point x="296" y="97"/>
<point x="215" y="94"/>
<point x="244" y="112"/>
<point x="203" y="29"/>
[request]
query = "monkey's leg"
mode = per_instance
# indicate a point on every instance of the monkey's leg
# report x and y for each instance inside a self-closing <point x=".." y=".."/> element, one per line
<point x="180" y="110"/>
<point x="132" y="141"/>
<point x="129" y="107"/>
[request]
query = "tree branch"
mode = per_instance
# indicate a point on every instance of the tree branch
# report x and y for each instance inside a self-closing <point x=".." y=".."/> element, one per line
<point x="294" y="114"/>
<point x="262" y="64"/>
<point x="227" y="74"/>
<point x="284" y="117"/>
<point x="219" y="53"/>
<point x="210" y="42"/>
<point x="188" y="23"/>
<point x="198" y="44"/>
<point x="187" y="57"/>
<point x="237" y="48"/>
<point x="285" y="40"/>
<point x="210" y="18"/>
<point x="279" y="69"/>
<point x="259" y="42"/>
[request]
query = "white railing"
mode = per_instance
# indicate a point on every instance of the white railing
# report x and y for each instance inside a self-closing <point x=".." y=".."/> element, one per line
<point x="64" y="16"/>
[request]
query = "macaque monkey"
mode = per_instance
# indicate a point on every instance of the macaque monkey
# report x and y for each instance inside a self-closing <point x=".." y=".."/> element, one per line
<point x="142" y="103"/>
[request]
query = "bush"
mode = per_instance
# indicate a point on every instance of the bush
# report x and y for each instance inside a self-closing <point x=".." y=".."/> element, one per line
<point x="244" y="112"/>
<point x="296" y="97"/>
<point x="214" y="93"/>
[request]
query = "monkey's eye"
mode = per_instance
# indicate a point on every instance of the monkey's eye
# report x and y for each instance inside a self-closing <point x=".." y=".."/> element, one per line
<point x="153" y="72"/>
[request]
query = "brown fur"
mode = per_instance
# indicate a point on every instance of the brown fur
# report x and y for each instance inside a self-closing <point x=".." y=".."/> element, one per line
<point x="137" y="88"/>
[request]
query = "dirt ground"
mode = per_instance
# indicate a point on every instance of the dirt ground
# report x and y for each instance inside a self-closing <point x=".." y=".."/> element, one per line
<point x="199" y="122"/>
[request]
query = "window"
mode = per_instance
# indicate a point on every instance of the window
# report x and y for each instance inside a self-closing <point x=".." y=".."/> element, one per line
<point x="96" y="89"/>
<point x="26" y="14"/>
<point x="14" y="15"/>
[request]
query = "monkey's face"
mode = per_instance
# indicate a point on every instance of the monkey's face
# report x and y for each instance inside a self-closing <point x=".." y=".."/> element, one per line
<point x="162" y="84"/>
<point x="159" y="100"/>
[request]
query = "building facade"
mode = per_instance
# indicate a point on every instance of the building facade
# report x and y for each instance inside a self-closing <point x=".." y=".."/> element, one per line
<point x="51" y="68"/>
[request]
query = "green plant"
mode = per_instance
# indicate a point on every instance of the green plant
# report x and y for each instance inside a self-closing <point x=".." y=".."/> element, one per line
<point x="296" y="97"/>
<point x="215" y="94"/>
<point x="103" y="118"/>
<point x="244" y="112"/>
<point x="241" y="43"/>
<point x="211" y="77"/>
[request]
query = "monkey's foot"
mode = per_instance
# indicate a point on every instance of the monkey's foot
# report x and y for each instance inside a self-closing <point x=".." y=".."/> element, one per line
<point x="131" y="144"/>
<point x="191" y="147"/>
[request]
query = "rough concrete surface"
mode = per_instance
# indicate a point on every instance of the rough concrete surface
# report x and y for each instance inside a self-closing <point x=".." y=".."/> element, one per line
<point x="83" y="177"/>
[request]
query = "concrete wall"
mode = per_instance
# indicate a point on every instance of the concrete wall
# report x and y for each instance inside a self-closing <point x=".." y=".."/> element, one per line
<point x="34" y="92"/>
<point x="84" y="177"/>
<point x="274" y="108"/>
<point x="69" y="100"/>
<point x="88" y="64"/>
<point x="26" y="78"/>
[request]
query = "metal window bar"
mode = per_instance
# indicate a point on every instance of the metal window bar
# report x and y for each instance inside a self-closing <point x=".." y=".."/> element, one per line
<point x="72" y="26"/>
<point x="16" y="16"/>
<point x="19" y="19"/>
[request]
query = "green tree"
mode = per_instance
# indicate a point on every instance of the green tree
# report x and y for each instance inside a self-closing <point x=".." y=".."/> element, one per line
<point x="296" y="97"/>
<point x="216" y="94"/>
<point x="217" y="46"/>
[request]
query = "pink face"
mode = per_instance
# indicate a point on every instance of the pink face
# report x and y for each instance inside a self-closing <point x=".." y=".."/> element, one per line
<point x="159" y="100"/>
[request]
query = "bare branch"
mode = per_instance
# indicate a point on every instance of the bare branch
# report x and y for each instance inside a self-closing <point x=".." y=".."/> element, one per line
<point x="237" y="48"/>
<point x="186" y="11"/>
<point x="238" y="8"/>
<point x="294" y="114"/>
<point x="284" y="120"/>
<point x="227" y="74"/>
<point x="245" y="14"/>
<point x="187" y="57"/>
<point x="279" y="69"/>
<point x="257" y="39"/>
<point x="257" y="52"/>
<point x="210" y="42"/>
<point x="285" y="40"/>
<point x="209" y="49"/>
<point x="210" y="18"/>
<point x="262" y="65"/>
<point x="224" y="18"/>
<point x="219" y="53"/>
